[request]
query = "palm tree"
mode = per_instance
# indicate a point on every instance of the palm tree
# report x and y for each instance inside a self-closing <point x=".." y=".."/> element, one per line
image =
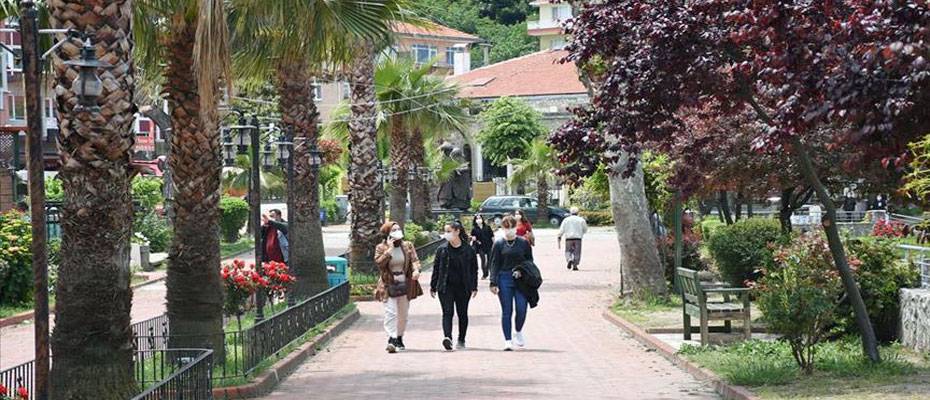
<point x="418" y="107"/>
<point x="236" y="179"/>
<point x="539" y="164"/>
<point x="294" y="43"/>
<point x="191" y="70"/>
<point x="92" y="340"/>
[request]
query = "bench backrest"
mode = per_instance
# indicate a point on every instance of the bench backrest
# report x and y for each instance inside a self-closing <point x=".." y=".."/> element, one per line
<point x="690" y="284"/>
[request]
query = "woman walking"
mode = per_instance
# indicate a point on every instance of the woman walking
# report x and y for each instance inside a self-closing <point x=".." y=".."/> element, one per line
<point x="507" y="255"/>
<point x="455" y="279"/>
<point x="400" y="268"/>
<point x="524" y="227"/>
<point x="481" y="239"/>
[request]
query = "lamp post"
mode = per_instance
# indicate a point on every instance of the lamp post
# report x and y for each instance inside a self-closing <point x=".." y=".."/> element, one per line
<point x="285" y="146"/>
<point x="87" y="86"/>
<point x="387" y="175"/>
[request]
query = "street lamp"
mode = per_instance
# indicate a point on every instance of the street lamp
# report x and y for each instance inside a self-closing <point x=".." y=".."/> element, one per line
<point x="316" y="158"/>
<point x="87" y="85"/>
<point x="267" y="157"/>
<point x="229" y="149"/>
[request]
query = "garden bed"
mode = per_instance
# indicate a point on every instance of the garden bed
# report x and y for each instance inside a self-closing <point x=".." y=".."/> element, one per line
<point x="661" y="315"/>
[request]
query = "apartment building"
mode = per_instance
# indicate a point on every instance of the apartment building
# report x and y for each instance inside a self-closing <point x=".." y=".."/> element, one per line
<point x="552" y="16"/>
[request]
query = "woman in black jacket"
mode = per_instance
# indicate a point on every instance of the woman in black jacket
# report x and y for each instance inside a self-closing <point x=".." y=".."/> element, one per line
<point x="455" y="279"/>
<point x="507" y="256"/>
<point x="482" y="237"/>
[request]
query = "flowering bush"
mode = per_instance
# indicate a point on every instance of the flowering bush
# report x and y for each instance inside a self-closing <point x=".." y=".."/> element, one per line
<point x="240" y="282"/>
<point x="278" y="279"/>
<point x="798" y="297"/>
<point x="21" y="394"/>
<point x="16" y="272"/>
<point x="889" y="229"/>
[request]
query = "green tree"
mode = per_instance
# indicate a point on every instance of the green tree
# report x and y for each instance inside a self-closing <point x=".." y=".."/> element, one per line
<point x="538" y="165"/>
<point x="509" y="125"/>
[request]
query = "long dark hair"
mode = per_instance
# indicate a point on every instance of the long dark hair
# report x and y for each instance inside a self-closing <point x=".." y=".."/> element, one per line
<point x="484" y="222"/>
<point x="458" y="225"/>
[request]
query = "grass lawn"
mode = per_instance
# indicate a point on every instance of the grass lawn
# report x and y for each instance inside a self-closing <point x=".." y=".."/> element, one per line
<point x="231" y="249"/>
<point x="11" y="310"/>
<point x="842" y="372"/>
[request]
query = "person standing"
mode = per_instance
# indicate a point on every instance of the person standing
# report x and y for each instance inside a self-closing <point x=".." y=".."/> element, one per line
<point x="274" y="238"/>
<point x="507" y="255"/>
<point x="524" y="227"/>
<point x="573" y="229"/>
<point x="455" y="279"/>
<point x="481" y="239"/>
<point x="400" y="269"/>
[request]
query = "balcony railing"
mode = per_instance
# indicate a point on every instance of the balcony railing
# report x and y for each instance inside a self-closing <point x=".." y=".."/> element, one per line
<point x="543" y="24"/>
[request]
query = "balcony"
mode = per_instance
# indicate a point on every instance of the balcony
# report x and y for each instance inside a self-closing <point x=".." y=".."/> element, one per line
<point x="544" y="27"/>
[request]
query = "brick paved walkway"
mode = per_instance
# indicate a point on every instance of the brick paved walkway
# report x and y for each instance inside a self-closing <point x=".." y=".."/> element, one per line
<point x="572" y="352"/>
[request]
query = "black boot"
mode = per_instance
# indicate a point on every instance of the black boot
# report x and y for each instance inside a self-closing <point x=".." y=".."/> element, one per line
<point x="399" y="343"/>
<point x="392" y="345"/>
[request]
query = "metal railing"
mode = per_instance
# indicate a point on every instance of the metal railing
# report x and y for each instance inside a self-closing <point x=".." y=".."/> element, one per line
<point x="920" y="256"/>
<point x="174" y="374"/>
<point x="22" y="375"/>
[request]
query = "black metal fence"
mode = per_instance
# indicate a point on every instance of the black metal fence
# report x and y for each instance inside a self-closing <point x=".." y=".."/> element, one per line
<point x="174" y="374"/>
<point x="22" y="375"/>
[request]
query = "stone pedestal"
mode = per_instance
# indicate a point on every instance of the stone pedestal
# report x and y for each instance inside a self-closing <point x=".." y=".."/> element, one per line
<point x="139" y="257"/>
<point x="915" y="318"/>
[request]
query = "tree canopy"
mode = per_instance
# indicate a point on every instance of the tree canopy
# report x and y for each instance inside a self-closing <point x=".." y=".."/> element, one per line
<point x="509" y="126"/>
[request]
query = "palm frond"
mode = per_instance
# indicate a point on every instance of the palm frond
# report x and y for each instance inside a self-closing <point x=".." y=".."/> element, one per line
<point x="211" y="56"/>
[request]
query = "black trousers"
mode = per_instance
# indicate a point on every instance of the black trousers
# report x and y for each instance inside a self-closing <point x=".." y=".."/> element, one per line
<point x="483" y="256"/>
<point x="454" y="301"/>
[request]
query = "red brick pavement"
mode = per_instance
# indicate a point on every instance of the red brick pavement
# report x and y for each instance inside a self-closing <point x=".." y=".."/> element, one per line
<point x="572" y="352"/>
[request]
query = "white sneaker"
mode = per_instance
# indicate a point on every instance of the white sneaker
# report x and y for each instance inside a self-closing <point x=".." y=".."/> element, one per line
<point x="508" y="345"/>
<point x="518" y="339"/>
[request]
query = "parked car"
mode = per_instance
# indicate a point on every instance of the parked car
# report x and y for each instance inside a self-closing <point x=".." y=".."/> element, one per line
<point x="498" y="206"/>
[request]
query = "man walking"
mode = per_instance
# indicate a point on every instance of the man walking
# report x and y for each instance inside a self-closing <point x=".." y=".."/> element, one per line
<point x="573" y="229"/>
<point x="274" y="238"/>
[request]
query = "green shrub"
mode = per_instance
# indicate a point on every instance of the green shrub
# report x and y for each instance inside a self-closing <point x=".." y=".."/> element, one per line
<point x="156" y="230"/>
<point x="881" y="273"/>
<point x="233" y="214"/>
<point x="707" y="227"/>
<point x="16" y="273"/>
<point x="598" y="218"/>
<point x="798" y="296"/>
<point x="742" y="249"/>
<point x="331" y="208"/>
<point x="690" y="255"/>
<point x="414" y="233"/>
<point x="53" y="190"/>
<point x="147" y="191"/>
<point x="54" y="260"/>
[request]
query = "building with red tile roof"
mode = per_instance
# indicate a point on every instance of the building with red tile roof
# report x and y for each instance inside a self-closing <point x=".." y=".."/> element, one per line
<point x="536" y="74"/>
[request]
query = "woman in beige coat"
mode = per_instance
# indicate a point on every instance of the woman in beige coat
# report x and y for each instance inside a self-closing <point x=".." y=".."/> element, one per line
<point x="400" y="269"/>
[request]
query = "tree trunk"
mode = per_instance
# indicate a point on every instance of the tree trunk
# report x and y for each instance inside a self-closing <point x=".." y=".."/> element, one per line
<point x="419" y="188"/>
<point x="724" y="207"/>
<point x="739" y="206"/>
<point x="642" y="272"/>
<point x="400" y="154"/>
<point x="195" y="293"/>
<point x="366" y="190"/>
<point x="92" y="342"/>
<point x="869" y="343"/>
<point x="542" y="198"/>
<point x="305" y="233"/>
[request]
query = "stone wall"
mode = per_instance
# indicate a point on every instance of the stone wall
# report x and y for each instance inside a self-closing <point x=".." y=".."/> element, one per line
<point x="915" y="319"/>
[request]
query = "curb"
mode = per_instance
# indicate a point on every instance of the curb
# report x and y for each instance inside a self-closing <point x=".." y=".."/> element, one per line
<point x="358" y="299"/>
<point x="755" y="329"/>
<point x="724" y="389"/>
<point x="265" y="382"/>
<point x="28" y="315"/>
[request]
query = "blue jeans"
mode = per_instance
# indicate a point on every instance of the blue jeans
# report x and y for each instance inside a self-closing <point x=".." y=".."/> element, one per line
<point x="509" y="296"/>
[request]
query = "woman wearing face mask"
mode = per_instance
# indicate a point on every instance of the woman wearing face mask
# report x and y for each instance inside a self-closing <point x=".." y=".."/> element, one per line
<point x="481" y="239"/>
<point x="455" y="279"/>
<point x="524" y="227"/>
<point x="400" y="268"/>
<point x="506" y="254"/>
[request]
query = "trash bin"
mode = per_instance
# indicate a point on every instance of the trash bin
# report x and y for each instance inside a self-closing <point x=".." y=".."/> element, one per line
<point x="336" y="268"/>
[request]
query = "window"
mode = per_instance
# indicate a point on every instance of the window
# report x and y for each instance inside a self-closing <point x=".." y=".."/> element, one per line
<point x="49" y="108"/>
<point x="17" y="107"/>
<point x="557" y="44"/>
<point x="450" y="55"/>
<point x="317" y="92"/>
<point x="14" y="61"/>
<point x="561" y="13"/>
<point x="423" y="53"/>
<point x="346" y="90"/>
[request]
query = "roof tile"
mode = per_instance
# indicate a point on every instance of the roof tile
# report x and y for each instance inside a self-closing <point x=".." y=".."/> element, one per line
<point x="535" y="74"/>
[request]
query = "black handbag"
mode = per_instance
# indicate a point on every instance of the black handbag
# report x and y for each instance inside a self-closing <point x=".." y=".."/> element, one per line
<point x="397" y="289"/>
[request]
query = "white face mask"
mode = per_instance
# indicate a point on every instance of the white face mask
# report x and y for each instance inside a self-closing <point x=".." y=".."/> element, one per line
<point x="479" y="221"/>
<point x="510" y="233"/>
<point x="497" y="221"/>
<point x="397" y="235"/>
<point x="448" y="236"/>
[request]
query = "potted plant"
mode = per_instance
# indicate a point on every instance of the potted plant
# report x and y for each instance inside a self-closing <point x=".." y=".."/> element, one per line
<point x="21" y="394"/>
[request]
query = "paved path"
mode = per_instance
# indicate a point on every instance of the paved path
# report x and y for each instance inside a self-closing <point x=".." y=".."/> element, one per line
<point x="17" y="342"/>
<point x="572" y="351"/>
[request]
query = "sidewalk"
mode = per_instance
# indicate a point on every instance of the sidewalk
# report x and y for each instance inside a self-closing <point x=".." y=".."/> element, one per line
<point x="572" y="351"/>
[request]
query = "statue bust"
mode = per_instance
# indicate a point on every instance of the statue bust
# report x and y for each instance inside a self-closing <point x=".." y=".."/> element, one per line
<point x="455" y="193"/>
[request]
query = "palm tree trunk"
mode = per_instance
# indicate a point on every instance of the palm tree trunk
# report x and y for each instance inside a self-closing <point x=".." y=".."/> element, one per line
<point x="367" y="213"/>
<point x="542" y="198"/>
<point x="195" y="294"/>
<point x="400" y="153"/>
<point x="305" y="233"/>
<point x="419" y="188"/>
<point x="92" y="342"/>
<point x="642" y="272"/>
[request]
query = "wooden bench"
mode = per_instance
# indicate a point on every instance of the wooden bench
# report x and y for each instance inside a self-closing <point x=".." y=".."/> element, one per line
<point x="696" y="301"/>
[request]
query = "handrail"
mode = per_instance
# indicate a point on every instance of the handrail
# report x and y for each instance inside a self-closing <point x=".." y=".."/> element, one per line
<point x="196" y="393"/>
